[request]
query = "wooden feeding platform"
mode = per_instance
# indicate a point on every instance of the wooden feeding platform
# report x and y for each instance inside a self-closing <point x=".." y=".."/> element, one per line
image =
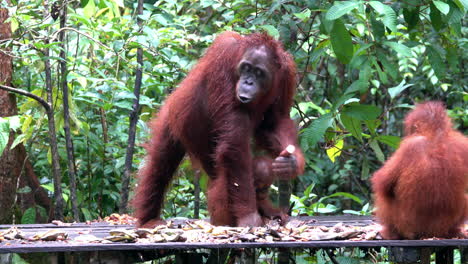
<point x="94" y="239"/>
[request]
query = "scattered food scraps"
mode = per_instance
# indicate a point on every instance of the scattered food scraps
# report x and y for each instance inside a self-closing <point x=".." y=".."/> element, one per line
<point x="200" y="231"/>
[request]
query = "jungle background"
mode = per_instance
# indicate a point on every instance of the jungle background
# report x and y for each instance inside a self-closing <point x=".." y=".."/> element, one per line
<point x="89" y="74"/>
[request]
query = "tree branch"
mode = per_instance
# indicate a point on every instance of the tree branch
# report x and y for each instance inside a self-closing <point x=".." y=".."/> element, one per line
<point x="27" y="94"/>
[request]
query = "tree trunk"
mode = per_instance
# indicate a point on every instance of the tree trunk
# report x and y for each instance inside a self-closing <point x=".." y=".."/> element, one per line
<point x="56" y="170"/>
<point x="133" y="123"/>
<point x="66" y="114"/>
<point x="15" y="169"/>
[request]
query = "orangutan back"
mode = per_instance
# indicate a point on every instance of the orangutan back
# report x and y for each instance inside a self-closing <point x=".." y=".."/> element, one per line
<point x="420" y="191"/>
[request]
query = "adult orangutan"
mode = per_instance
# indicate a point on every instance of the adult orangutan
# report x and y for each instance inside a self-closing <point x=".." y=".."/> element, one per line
<point x="238" y="97"/>
<point x="420" y="191"/>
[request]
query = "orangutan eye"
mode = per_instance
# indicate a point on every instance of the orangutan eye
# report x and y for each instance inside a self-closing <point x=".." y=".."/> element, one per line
<point x="259" y="73"/>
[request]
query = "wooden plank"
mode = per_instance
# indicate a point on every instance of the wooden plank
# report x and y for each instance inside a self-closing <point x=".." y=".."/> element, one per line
<point x="50" y="226"/>
<point x="319" y="220"/>
<point x="102" y="230"/>
<point x="69" y="246"/>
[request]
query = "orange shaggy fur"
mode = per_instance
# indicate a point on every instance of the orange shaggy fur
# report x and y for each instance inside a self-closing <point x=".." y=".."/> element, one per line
<point x="420" y="191"/>
<point x="203" y="118"/>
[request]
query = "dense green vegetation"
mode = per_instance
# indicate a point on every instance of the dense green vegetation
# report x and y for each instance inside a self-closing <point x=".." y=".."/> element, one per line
<point x="362" y="65"/>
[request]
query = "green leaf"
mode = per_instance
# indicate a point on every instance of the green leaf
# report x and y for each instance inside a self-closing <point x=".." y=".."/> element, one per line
<point x="24" y="190"/>
<point x="83" y="19"/>
<point x="344" y="194"/>
<point x="456" y="15"/>
<point x="436" y="61"/>
<point x="395" y="91"/>
<point x="316" y="130"/>
<point x="14" y="122"/>
<point x="462" y="4"/>
<point x="457" y="29"/>
<point x="377" y="150"/>
<point x="309" y="189"/>
<point x="323" y="209"/>
<point x="271" y="30"/>
<point x="341" y="8"/>
<point x="392" y="141"/>
<point x="89" y="9"/>
<point x="29" y="216"/>
<point x="452" y="57"/>
<point x="436" y="18"/>
<point x="411" y="17"/>
<point x="341" y="42"/>
<point x="86" y="213"/>
<point x="372" y="125"/>
<point x="14" y="24"/>
<point x="347" y="260"/>
<point x="379" y="7"/>
<point x="118" y="45"/>
<point x="335" y="151"/>
<point x="444" y="8"/>
<point x="357" y="61"/>
<point x="365" y="168"/>
<point x="41" y="211"/>
<point x="49" y="156"/>
<point x="378" y="28"/>
<point x="124" y="95"/>
<point x="389" y="15"/>
<point x="380" y="71"/>
<point x="362" y="112"/>
<point x="41" y="45"/>
<point x="389" y="67"/>
<point x="306" y="107"/>
<point x="361" y="50"/>
<point x="161" y="19"/>
<point x="304" y="15"/>
<point x="4" y="133"/>
<point x="399" y="48"/>
<point x="49" y="187"/>
<point x="351" y="212"/>
<point x="325" y="27"/>
<point x="3" y="141"/>
<point x="18" y="140"/>
<point x="106" y="11"/>
<point x="119" y="3"/>
<point x="365" y="72"/>
<point x="344" y="98"/>
<point x="124" y="104"/>
<point x="114" y="6"/>
<point x="357" y="86"/>
<point x="206" y="3"/>
<point x="353" y="125"/>
<point x="365" y="208"/>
